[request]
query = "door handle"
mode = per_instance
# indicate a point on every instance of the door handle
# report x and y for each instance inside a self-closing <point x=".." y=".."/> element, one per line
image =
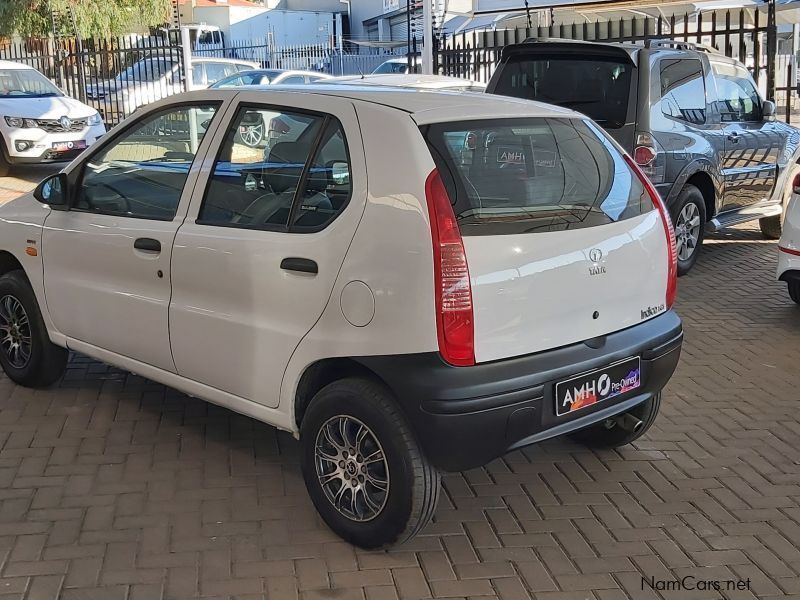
<point x="734" y="138"/>
<point x="302" y="265"/>
<point x="147" y="244"/>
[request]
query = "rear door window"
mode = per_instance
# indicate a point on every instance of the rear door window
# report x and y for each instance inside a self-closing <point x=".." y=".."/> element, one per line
<point x="598" y="87"/>
<point x="510" y="176"/>
<point x="683" y="90"/>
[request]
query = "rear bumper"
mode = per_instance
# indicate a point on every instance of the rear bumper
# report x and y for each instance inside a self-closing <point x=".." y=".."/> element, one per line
<point x="464" y="417"/>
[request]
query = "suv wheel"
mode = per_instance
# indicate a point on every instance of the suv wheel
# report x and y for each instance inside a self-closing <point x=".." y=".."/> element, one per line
<point x="362" y="466"/>
<point x="27" y="355"/>
<point x="690" y="219"/>
<point x="611" y="434"/>
<point x="772" y="227"/>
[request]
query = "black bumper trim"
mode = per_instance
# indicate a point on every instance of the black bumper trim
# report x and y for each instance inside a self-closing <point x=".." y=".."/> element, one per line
<point x="464" y="417"/>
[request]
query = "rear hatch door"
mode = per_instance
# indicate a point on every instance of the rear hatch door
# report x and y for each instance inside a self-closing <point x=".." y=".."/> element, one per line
<point x="563" y="241"/>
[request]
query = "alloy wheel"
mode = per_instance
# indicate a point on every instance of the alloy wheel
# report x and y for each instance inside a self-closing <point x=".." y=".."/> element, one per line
<point x="252" y="135"/>
<point x="351" y="468"/>
<point x="15" y="332"/>
<point x="687" y="231"/>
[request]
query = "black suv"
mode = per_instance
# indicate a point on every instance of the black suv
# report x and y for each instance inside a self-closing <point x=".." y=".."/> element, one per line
<point x="691" y="117"/>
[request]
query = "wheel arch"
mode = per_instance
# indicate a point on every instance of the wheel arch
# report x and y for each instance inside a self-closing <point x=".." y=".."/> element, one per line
<point x="705" y="176"/>
<point x="323" y="372"/>
<point x="703" y="182"/>
<point x="9" y="262"/>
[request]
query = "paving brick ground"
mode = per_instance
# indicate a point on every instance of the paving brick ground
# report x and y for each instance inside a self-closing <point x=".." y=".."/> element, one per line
<point x="116" y="488"/>
<point x="24" y="180"/>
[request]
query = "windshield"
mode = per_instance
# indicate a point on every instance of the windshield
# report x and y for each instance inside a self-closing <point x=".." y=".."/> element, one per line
<point x="25" y="83"/>
<point x="147" y="70"/>
<point x="510" y="176"/>
<point x="598" y="87"/>
<point x="391" y="67"/>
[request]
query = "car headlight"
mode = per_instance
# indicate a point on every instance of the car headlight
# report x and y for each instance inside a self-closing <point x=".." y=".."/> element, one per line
<point x="21" y="123"/>
<point x="94" y="119"/>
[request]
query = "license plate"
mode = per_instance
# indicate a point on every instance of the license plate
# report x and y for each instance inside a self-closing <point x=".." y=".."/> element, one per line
<point x="598" y="386"/>
<point x="67" y="146"/>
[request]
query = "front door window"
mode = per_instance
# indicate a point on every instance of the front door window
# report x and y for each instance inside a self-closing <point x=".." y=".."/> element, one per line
<point x="142" y="173"/>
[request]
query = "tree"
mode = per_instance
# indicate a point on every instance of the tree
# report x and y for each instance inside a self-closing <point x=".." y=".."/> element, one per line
<point x="93" y="18"/>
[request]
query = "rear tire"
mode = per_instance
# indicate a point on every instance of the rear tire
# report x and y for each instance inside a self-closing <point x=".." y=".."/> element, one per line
<point x="27" y="355"/>
<point x="371" y="503"/>
<point x="689" y="218"/>
<point x="610" y="435"/>
<point x="772" y="227"/>
<point x="794" y="291"/>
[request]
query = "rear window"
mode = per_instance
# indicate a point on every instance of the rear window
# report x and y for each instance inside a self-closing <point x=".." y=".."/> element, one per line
<point x="596" y="87"/>
<point x="508" y="176"/>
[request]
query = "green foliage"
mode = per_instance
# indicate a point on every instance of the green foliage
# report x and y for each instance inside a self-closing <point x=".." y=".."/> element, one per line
<point x="93" y="18"/>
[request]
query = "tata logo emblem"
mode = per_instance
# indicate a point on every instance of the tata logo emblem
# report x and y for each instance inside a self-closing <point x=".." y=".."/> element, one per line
<point x="65" y="123"/>
<point x="596" y="255"/>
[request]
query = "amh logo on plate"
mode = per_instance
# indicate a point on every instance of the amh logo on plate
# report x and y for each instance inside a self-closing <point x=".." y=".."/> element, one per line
<point x="599" y="388"/>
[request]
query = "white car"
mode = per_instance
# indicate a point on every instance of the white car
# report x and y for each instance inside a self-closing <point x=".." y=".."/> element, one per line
<point x="156" y="77"/>
<point x="271" y="77"/>
<point x="399" y="318"/>
<point x="420" y="82"/>
<point x="38" y="123"/>
<point x="397" y="66"/>
<point x="789" y="244"/>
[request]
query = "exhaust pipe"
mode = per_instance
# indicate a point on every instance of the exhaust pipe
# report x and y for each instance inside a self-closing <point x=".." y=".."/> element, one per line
<point x="628" y="422"/>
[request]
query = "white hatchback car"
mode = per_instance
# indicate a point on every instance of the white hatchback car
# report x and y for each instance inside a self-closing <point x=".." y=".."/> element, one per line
<point x="789" y="244"/>
<point x="38" y="123"/>
<point x="400" y="318"/>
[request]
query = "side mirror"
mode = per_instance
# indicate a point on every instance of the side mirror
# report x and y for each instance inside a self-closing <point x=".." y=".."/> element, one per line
<point x="53" y="191"/>
<point x="340" y="173"/>
<point x="768" y="110"/>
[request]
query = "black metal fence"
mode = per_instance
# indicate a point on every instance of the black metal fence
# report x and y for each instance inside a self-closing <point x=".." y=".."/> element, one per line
<point x="116" y="76"/>
<point x="748" y="35"/>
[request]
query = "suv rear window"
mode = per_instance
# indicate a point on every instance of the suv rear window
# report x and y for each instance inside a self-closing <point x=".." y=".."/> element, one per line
<point x="508" y="176"/>
<point x="597" y="87"/>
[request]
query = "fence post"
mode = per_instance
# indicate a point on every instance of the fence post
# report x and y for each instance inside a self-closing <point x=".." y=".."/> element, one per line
<point x="186" y="52"/>
<point x="772" y="48"/>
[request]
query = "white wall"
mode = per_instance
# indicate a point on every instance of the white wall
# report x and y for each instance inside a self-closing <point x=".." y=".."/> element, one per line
<point x="288" y="28"/>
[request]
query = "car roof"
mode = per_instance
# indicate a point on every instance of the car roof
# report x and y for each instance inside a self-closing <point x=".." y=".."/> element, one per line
<point x="407" y="80"/>
<point x="7" y="64"/>
<point x="426" y="106"/>
<point x="235" y="61"/>
<point x="301" y="72"/>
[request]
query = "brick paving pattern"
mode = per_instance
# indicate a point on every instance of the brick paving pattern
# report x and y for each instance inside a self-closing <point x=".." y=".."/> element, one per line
<point x="116" y="488"/>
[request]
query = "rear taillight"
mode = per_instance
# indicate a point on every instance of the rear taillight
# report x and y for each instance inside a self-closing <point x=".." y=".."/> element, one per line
<point x="796" y="184"/>
<point x="454" y="320"/>
<point x="645" y="150"/>
<point x="672" y="269"/>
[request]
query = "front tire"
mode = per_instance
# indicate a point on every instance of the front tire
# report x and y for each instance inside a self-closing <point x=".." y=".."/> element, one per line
<point x="5" y="166"/>
<point x="609" y="434"/>
<point x="27" y="355"/>
<point x="362" y="466"/>
<point x="772" y="227"/>
<point x="690" y="220"/>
